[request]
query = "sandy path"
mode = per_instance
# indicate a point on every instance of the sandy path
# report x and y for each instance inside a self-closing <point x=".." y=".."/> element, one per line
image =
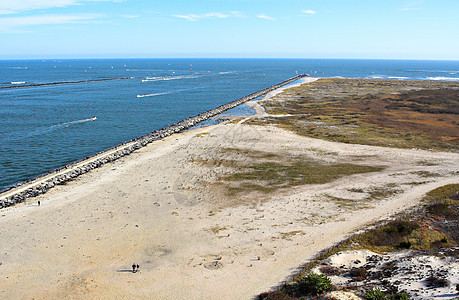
<point x="148" y="208"/>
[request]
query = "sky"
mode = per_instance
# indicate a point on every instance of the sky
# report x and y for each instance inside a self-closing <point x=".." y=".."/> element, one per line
<point x="367" y="29"/>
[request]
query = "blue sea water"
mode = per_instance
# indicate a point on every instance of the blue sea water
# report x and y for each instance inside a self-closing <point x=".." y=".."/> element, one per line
<point x="45" y="127"/>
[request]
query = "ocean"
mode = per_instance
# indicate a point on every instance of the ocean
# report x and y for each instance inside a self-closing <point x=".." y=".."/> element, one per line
<point x="45" y="127"/>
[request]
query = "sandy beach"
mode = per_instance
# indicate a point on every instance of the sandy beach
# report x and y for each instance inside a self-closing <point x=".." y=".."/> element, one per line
<point x="163" y="207"/>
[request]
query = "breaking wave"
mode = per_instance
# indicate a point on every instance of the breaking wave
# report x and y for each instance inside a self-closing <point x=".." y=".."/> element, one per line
<point x="443" y="78"/>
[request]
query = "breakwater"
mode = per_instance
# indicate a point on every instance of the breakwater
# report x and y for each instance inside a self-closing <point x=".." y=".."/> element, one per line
<point x="40" y="185"/>
<point x="62" y="82"/>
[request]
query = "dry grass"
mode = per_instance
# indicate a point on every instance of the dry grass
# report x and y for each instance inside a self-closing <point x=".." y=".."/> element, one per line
<point x="265" y="172"/>
<point x="402" y="114"/>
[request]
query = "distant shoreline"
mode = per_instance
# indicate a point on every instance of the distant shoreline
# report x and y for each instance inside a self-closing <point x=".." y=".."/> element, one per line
<point x="18" y="86"/>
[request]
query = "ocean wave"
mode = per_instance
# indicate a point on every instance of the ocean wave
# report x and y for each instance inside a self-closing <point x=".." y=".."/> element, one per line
<point x="398" y="77"/>
<point x="435" y="71"/>
<point x="443" y="78"/>
<point x="18" y="82"/>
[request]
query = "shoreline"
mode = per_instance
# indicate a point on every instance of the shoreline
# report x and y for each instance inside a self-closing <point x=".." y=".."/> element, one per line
<point x="42" y="183"/>
<point x="161" y="208"/>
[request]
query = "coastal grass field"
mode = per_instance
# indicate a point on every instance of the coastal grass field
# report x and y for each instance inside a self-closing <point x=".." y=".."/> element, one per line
<point x="395" y="113"/>
<point x="244" y="203"/>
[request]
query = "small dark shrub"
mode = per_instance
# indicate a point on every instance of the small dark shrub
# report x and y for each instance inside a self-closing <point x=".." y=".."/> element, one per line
<point x="398" y="296"/>
<point x="405" y="245"/>
<point x="275" y="295"/>
<point x="392" y="233"/>
<point x="314" y="284"/>
<point x="435" y="281"/>
<point x="374" y="294"/>
<point x="444" y="240"/>
<point x="329" y="270"/>
<point x="358" y="273"/>
<point x="440" y="209"/>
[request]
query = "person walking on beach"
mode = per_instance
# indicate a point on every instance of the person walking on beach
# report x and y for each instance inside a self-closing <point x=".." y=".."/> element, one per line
<point x="38" y="202"/>
<point x="137" y="268"/>
<point x="133" y="268"/>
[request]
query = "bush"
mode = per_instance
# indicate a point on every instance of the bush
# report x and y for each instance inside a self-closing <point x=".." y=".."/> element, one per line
<point x="275" y="295"/>
<point x="329" y="270"/>
<point x="398" y="296"/>
<point x="435" y="281"/>
<point x="358" y="273"/>
<point x="391" y="234"/>
<point x="440" y="209"/>
<point x="310" y="284"/>
<point x="405" y="245"/>
<point x="377" y="294"/>
<point x="374" y="294"/>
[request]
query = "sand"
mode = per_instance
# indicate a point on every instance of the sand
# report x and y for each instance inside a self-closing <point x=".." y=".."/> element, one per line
<point x="155" y="208"/>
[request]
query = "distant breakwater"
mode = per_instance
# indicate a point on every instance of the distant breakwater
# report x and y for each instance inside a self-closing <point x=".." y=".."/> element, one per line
<point x="62" y="82"/>
<point x="41" y="184"/>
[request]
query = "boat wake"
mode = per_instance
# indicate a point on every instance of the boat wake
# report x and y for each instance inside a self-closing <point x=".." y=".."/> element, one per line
<point x="167" y="93"/>
<point x="154" y="94"/>
<point x="60" y="126"/>
<point x="165" y="78"/>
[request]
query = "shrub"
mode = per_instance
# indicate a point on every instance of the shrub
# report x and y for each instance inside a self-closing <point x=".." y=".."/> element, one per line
<point x="398" y="296"/>
<point x="374" y="294"/>
<point x="440" y="209"/>
<point x="313" y="284"/>
<point x="377" y="294"/>
<point x="275" y="295"/>
<point x="405" y="245"/>
<point x="358" y="273"/>
<point x="391" y="234"/>
<point x="330" y="270"/>
<point x="435" y="281"/>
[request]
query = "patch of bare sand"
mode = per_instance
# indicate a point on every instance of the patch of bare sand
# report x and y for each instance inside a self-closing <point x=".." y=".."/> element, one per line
<point x="155" y="209"/>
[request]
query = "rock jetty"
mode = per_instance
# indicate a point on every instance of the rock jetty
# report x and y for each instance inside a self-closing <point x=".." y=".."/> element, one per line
<point x="42" y="184"/>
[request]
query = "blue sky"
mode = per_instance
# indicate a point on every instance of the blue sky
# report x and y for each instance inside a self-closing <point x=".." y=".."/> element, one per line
<point x="387" y="29"/>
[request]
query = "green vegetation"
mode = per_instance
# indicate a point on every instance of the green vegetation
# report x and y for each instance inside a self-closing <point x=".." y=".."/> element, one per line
<point x="267" y="172"/>
<point x="377" y="294"/>
<point x="402" y="114"/>
<point x="311" y="284"/>
<point x="443" y="192"/>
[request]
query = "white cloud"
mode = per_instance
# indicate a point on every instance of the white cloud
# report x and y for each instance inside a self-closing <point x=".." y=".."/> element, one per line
<point x="13" y="24"/>
<point x="262" y="16"/>
<point x="130" y="16"/>
<point x="408" y="8"/>
<point x="15" y="6"/>
<point x="309" y="11"/>
<point x="411" y="5"/>
<point x="193" y="17"/>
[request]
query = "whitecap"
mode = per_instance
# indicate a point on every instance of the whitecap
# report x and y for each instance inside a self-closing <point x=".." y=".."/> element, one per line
<point x="397" y="77"/>
<point x="443" y="78"/>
